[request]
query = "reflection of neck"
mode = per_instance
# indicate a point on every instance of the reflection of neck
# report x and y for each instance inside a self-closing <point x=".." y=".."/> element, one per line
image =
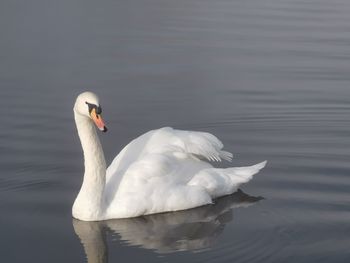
<point x="89" y="202"/>
<point x="93" y="237"/>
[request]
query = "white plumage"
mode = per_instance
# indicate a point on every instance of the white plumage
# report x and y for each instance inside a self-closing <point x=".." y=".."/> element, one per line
<point x="162" y="170"/>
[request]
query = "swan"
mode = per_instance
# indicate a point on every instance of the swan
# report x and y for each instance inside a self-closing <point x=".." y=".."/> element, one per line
<point x="162" y="170"/>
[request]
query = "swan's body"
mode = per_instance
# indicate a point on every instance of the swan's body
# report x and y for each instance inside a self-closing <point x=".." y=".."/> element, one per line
<point x="162" y="170"/>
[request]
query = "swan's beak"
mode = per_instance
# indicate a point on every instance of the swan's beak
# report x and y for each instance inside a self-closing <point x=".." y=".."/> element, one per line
<point x="98" y="120"/>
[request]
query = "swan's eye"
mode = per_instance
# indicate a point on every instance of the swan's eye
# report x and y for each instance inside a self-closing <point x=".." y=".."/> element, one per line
<point x="91" y="106"/>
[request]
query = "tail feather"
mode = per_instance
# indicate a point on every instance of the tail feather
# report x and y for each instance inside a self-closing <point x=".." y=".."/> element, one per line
<point x="248" y="171"/>
<point x="218" y="182"/>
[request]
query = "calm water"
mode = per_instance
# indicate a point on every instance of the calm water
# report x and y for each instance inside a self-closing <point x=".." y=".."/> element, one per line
<point x="270" y="78"/>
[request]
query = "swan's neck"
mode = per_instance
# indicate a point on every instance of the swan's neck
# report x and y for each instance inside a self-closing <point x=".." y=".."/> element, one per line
<point x="89" y="204"/>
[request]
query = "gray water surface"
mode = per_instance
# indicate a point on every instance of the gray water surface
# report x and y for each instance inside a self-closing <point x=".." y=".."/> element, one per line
<point x="270" y="78"/>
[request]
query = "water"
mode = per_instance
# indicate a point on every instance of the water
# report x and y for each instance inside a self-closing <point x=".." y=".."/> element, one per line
<point x="270" y="78"/>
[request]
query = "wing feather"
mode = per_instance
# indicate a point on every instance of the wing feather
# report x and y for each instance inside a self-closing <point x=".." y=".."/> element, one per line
<point x="201" y="144"/>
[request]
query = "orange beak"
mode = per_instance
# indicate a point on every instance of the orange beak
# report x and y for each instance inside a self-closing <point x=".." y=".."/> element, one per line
<point x="98" y="120"/>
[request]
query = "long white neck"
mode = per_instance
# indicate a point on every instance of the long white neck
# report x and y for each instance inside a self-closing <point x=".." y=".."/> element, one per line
<point x="89" y="204"/>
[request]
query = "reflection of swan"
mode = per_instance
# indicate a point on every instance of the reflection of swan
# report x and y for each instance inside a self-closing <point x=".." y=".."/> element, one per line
<point x="192" y="229"/>
<point x="159" y="171"/>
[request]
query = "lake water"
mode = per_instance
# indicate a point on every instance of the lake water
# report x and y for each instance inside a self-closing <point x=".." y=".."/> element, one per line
<point x="270" y="78"/>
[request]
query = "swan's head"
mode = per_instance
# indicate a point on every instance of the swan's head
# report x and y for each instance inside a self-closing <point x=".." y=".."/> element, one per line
<point x="87" y="104"/>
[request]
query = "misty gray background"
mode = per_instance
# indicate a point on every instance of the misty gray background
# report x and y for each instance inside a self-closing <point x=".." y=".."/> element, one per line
<point x="270" y="78"/>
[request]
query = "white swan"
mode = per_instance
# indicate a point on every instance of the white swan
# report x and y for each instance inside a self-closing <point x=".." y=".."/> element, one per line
<point x="162" y="170"/>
